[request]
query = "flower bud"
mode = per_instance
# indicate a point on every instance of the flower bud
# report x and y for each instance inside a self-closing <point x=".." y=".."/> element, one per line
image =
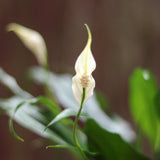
<point x="32" y="40"/>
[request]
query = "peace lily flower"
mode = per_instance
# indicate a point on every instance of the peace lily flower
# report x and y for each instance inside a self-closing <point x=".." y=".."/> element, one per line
<point x="84" y="66"/>
<point x="32" y="40"/>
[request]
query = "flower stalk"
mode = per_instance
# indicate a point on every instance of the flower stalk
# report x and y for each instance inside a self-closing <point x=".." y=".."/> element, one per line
<point x="75" y="126"/>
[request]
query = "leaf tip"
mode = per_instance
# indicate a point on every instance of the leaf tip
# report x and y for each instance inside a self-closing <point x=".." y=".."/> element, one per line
<point x="21" y="139"/>
<point x="89" y="32"/>
<point x="10" y="27"/>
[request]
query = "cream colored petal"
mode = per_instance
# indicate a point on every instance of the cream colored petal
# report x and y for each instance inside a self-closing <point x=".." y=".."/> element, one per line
<point x="77" y="88"/>
<point x="85" y="63"/>
<point x="90" y="89"/>
<point x="32" y="40"/>
<point x="84" y="67"/>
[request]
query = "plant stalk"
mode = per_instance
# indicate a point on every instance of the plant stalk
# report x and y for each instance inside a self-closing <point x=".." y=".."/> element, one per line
<point x="75" y="125"/>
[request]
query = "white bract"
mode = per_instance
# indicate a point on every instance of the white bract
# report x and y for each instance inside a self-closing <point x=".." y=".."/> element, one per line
<point x="84" y="66"/>
<point x="32" y="40"/>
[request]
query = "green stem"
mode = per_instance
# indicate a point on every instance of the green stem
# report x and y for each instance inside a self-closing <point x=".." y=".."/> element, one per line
<point x="75" y="125"/>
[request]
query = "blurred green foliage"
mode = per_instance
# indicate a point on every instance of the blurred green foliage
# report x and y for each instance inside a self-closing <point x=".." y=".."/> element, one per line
<point x="143" y="94"/>
<point x="101" y="139"/>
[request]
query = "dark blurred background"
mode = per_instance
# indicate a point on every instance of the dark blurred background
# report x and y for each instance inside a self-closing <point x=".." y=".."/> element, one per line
<point x="126" y="35"/>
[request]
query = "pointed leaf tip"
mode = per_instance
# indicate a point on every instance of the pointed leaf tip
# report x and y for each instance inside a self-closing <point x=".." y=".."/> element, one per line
<point x="13" y="131"/>
<point x="89" y="33"/>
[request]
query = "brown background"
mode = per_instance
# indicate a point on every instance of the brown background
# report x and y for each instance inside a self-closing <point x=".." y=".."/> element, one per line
<point x="126" y="35"/>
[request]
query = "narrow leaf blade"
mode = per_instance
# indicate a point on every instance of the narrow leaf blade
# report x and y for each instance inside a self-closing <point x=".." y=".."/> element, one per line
<point x="12" y="84"/>
<point x="11" y="128"/>
<point x="61" y="146"/>
<point x="64" y="114"/>
<point x="13" y="131"/>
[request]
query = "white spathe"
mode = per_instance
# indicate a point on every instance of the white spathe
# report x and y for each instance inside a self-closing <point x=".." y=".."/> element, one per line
<point x="32" y="40"/>
<point x="84" y="66"/>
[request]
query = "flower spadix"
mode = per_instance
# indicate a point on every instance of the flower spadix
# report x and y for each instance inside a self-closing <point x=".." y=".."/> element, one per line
<point x="84" y="66"/>
<point x="32" y="40"/>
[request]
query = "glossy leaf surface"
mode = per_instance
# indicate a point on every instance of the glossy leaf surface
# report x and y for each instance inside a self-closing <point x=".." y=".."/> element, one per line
<point x="142" y="93"/>
<point x="109" y="145"/>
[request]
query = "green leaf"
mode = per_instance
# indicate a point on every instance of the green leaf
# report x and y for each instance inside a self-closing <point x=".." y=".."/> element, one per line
<point x="32" y="117"/>
<point x="52" y="107"/>
<point x="64" y="114"/>
<point x="61" y="87"/>
<point x="157" y="108"/>
<point x="110" y="145"/>
<point x="46" y="102"/>
<point x="157" y="103"/>
<point x="36" y="119"/>
<point x="11" y="83"/>
<point x="11" y="122"/>
<point x="61" y="146"/>
<point x="13" y="131"/>
<point x="32" y="101"/>
<point x="142" y="93"/>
